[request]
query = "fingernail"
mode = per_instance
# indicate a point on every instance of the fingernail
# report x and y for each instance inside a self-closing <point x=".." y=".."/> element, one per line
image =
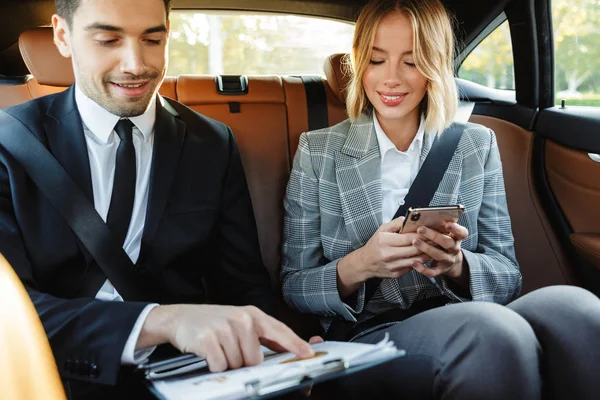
<point x="422" y="230"/>
<point x="414" y="264"/>
<point x="417" y="242"/>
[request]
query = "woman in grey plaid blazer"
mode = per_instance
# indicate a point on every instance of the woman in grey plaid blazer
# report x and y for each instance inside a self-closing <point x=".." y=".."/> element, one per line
<point x="344" y="187"/>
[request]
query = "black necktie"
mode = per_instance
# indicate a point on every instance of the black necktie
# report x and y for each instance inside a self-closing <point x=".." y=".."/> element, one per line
<point x="123" y="194"/>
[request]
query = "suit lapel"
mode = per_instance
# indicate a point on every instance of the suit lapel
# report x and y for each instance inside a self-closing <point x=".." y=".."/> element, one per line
<point x="358" y="172"/>
<point x="169" y="133"/>
<point x="66" y="140"/>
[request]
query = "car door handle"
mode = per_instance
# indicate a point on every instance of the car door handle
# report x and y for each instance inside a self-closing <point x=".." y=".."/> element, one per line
<point x="594" y="157"/>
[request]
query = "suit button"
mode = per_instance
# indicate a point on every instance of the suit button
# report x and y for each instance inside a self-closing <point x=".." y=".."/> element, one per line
<point x="94" y="370"/>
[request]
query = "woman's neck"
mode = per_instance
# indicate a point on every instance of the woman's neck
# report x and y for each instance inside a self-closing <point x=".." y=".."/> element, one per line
<point x="401" y="132"/>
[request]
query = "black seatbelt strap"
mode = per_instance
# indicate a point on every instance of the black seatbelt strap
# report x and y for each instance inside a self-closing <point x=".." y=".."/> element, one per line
<point x="76" y="209"/>
<point x="316" y="102"/>
<point x="420" y="194"/>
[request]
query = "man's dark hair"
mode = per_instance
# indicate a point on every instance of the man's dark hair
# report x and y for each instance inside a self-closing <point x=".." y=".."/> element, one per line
<point x="67" y="8"/>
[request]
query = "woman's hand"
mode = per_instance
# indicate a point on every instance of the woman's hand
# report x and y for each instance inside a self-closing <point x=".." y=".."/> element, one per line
<point x="387" y="254"/>
<point x="445" y="252"/>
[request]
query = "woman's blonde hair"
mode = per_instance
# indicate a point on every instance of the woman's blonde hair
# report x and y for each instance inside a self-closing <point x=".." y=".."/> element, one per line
<point x="433" y="52"/>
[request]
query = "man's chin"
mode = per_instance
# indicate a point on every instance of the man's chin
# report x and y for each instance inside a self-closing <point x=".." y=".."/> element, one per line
<point x="128" y="108"/>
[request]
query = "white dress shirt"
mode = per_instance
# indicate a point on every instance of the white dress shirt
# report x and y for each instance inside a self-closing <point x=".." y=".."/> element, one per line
<point x="398" y="169"/>
<point x="102" y="143"/>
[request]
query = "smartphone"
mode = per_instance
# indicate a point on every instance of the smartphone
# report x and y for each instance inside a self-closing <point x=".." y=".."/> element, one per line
<point x="434" y="217"/>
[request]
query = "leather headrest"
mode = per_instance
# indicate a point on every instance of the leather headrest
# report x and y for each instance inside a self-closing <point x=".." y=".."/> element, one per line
<point x="43" y="59"/>
<point x="337" y="74"/>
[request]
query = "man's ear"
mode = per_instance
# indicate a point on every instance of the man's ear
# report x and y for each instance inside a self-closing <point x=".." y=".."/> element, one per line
<point x="62" y="38"/>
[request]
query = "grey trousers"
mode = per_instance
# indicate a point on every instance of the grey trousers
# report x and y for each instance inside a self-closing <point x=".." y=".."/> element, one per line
<point x="545" y="344"/>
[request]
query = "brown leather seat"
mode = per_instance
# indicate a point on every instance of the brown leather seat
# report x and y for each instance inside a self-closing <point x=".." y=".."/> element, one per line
<point x="27" y="366"/>
<point x="541" y="258"/>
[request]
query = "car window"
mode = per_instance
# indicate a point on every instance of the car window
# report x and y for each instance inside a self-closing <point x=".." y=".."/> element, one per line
<point x="491" y="62"/>
<point x="577" y="51"/>
<point x="227" y="43"/>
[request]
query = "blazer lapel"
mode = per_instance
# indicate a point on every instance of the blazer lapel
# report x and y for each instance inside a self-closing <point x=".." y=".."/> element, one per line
<point x="169" y="134"/>
<point x="66" y="140"/>
<point x="358" y="172"/>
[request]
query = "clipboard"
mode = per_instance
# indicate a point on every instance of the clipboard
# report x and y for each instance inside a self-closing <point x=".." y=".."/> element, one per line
<point x="273" y="389"/>
<point x="274" y="379"/>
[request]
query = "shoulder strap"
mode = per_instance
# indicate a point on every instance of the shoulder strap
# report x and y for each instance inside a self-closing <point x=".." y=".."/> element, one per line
<point x="81" y="216"/>
<point x="420" y="194"/>
<point x="316" y="102"/>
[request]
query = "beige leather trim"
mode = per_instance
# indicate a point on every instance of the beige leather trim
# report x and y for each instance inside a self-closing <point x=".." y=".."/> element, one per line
<point x="588" y="246"/>
<point x="43" y="59"/>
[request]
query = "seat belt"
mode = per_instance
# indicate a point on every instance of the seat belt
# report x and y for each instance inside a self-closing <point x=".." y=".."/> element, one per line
<point x="316" y="102"/>
<point x="464" y="111"/>
<point x="419" y="195"/>
<point x="76" y="209"/>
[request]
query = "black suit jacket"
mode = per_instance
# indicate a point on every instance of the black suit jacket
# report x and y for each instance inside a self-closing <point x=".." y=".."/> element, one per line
<point x="199" y="242"/>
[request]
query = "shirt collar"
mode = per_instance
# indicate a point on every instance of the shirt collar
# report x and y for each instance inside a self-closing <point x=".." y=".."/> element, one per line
<point x="102" y="123"/>
<point x="385" y="144"/>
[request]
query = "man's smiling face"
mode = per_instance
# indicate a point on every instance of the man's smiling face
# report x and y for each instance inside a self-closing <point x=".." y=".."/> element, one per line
<point x="119" y="51"/>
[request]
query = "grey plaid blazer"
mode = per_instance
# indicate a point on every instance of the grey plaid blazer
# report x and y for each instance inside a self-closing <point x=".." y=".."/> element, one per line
<point x="333" y="206"/>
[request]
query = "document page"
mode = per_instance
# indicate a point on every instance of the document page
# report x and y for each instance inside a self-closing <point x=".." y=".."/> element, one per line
<point x="278" y="370"/>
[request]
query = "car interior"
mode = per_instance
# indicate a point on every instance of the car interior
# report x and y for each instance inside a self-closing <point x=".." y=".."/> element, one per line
<point x="552" y="181"/>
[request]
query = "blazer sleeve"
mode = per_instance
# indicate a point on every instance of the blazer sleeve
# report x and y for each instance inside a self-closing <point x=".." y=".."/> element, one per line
<point x="493" y="268"/>
<point x="241" y="278"/>
<point x="309" y="279"/>
<point x="87" y="336"/>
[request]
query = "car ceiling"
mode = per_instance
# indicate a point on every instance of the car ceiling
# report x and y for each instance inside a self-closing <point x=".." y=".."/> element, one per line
<point x="17" y="16"/>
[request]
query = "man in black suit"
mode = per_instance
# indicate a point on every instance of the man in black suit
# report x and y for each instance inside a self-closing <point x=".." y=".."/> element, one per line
<point x="170" y="185"/>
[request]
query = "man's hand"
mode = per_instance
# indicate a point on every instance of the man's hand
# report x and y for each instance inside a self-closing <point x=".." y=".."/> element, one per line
<point x="226" y="336"/>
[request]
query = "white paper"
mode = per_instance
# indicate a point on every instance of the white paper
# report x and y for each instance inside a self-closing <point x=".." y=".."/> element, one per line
<point x="232" y="384"/>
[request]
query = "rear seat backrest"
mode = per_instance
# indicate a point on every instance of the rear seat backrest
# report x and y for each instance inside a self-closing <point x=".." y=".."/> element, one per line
<point x="538" y="250"/>
<point x="259" y="122"/>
